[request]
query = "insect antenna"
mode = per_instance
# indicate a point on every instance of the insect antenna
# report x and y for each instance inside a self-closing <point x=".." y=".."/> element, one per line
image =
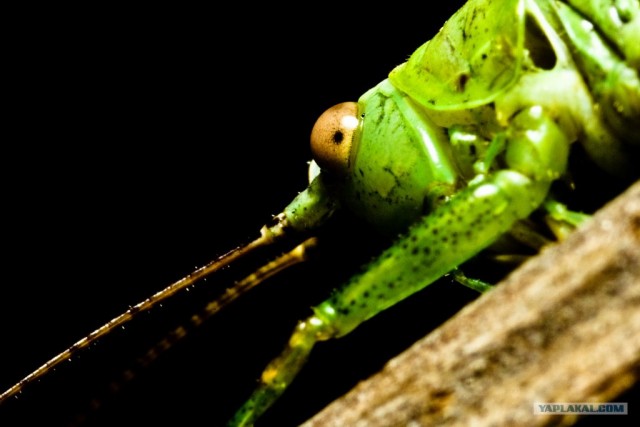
<point x="295" y="256"/>
<point x="268" y="236"/>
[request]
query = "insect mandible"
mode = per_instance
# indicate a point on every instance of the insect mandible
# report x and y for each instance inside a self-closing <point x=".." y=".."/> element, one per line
<point x="501" y="126"/>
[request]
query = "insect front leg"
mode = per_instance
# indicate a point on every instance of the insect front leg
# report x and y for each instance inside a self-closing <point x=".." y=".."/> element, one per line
<point x="536" y="153"/>
<point x="282" y="370"/>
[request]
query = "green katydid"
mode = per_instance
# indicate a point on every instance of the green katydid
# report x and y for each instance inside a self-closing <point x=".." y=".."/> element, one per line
<point x="460" y="143"/>
<point x="468" y="136"/>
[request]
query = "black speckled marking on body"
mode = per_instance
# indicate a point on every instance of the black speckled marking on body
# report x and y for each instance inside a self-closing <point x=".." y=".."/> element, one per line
<point x="435" y="245"/>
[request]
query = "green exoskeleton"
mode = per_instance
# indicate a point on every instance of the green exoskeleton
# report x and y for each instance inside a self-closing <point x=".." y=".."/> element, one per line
<point x="458" y="147"/>
<point x="461" y="143"/>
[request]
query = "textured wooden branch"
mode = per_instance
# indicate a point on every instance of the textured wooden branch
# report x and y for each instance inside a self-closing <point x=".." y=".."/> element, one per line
<point x="565" y="327"/>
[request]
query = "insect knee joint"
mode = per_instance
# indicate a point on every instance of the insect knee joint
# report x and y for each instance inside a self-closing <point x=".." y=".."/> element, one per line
<point x="537" y="146"/>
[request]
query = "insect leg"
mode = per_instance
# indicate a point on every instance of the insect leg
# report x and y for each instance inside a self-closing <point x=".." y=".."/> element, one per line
<point x="561" y="220"/>
<point x="526" y="233"/>
<point x="536" y="153"/>
<point x="468" y="147"/>
<point x="475" y="284"/>
<point x="282" y="370"/>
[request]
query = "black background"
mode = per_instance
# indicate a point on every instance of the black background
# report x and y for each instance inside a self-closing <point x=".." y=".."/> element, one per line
<point x="150" y="142"/>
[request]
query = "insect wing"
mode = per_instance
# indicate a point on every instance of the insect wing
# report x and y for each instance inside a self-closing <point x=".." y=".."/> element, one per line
<point x="475" y="56"/>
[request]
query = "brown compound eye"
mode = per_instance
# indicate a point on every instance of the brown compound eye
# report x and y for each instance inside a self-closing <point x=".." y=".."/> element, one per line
<point x="332" y="137"/>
